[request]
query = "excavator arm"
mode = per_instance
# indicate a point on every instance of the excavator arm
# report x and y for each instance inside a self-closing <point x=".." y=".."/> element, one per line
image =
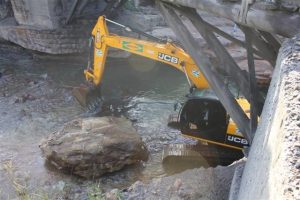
<point x="167" y="53"/>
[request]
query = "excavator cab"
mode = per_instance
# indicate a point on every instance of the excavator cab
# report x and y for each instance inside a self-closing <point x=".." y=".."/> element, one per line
<point x="203" y="117"/>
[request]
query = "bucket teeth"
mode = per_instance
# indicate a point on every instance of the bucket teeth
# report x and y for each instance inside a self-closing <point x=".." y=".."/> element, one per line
<point x="89" y="97"/>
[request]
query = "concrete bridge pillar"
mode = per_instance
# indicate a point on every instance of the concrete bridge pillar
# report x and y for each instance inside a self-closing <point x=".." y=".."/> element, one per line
<point x="44" y="14"/>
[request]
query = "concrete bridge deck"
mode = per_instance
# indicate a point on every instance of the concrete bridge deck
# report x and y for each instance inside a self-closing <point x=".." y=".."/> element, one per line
<point x="282" y="19"/>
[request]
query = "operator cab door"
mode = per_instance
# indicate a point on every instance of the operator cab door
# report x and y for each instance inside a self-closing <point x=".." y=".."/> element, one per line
<point x="206" y="119"/>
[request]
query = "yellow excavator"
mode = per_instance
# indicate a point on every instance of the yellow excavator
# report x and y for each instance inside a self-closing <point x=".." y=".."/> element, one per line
<point x="201" y="117"/>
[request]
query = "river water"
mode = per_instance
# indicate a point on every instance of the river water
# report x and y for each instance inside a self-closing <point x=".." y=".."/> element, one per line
<point x="36" y="100"/>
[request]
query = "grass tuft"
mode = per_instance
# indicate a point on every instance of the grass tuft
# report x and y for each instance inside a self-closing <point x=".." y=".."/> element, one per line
<point x="95" y="193"/>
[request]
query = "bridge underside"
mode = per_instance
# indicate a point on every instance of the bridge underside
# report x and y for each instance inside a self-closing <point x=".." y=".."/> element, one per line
<point x="281" y="18"/>
<point x="261" y="24"/>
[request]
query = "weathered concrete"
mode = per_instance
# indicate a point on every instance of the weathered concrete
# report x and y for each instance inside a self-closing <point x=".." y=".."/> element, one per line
<point x="36" y="13"/>
<point x="236" y="181"/>
<point x="273" y="167"/>
<point x="50" y="26"/>
<point x="51" y="14"/>
<point x="64" y="26"/>
<point x="69" y="39"/>
<point x="286" y="24"/>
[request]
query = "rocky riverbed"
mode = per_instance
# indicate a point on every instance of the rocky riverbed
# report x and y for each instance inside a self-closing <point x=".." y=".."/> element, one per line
<point x="36" y="100"/>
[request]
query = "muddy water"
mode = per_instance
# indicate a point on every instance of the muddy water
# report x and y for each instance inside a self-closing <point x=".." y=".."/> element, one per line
<point x="35" y="100"/>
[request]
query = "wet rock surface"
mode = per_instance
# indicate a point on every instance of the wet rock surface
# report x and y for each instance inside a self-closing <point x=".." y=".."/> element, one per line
<point x="90" y="147"/>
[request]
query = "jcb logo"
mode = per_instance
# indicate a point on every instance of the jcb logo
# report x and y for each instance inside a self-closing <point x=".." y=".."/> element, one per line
<point x="168" y="58"/>
<point x="237" y="140"/>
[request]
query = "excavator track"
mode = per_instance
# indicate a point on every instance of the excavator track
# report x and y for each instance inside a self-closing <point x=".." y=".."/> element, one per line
<point x="186" y="156"/>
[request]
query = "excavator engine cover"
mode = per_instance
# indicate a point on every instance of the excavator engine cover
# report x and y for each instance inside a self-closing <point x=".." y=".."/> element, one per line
<point x="204" y="118"/>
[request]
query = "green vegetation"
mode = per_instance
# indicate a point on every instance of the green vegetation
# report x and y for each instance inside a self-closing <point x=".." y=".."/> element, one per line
<point x="95" y="193"/>
<point x="20" y="184"/>
<point x="119" y="195"/>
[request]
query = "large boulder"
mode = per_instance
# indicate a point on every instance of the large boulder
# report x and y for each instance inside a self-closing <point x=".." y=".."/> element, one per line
<point x="90" y="147"/>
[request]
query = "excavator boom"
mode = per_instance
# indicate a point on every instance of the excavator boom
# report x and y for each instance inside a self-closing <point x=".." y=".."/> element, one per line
<point x="167" y="53"/>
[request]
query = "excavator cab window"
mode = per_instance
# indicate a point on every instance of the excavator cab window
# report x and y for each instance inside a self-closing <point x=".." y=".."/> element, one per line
<point x="204" y="118"/>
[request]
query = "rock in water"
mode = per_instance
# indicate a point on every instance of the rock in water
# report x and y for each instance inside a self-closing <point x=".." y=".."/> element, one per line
<point x="90" y="147"/>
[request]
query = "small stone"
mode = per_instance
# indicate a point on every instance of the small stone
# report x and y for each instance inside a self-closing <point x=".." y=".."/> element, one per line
<point x="76" y="196"/>
<point x="297" y="165"/>
<point x="18" y="100"/>
<point x="113" y="195"/>
<point x="177" y="184"/>
<point x="44" y="76"/>
<point x="24" y="98"/>
<point x="154" y="192"/>
<point x="61" y="185"/>
<point x="32" y="83"/>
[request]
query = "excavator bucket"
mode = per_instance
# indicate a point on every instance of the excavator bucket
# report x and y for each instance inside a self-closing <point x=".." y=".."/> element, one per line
<point x="89" y="97"/>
